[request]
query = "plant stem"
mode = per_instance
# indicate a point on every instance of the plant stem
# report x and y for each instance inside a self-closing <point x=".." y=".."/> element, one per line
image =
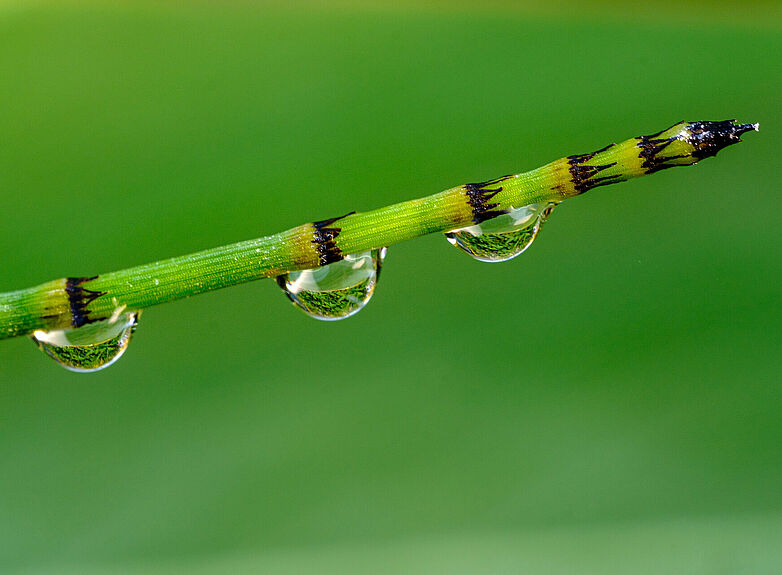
<point x="74" y="302"/>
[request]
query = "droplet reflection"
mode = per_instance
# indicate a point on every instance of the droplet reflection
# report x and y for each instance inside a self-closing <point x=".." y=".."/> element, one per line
<point x="91" y="347"/>
<point x="504" y="237"/>
<point x="335" y="291"/>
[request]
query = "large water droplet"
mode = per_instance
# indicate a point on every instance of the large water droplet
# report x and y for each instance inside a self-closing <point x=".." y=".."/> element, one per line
<point x="335" y="291"/>
<point x="504" y="237"/>
<point x="90" y="347"/>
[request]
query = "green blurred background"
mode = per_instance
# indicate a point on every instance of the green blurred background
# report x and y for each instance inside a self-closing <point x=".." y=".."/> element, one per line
<point x="609" y="402"/>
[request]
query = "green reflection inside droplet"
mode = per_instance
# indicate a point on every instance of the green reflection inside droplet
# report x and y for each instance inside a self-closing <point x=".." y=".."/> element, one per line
<point x="504" y="237"/>
<point x="89" y="348"/>
<point x="335" y="291"/>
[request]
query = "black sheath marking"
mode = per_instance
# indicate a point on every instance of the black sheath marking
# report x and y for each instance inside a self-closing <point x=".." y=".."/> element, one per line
<point x="79" y="298"/>
<point x="651" y="146"/>
<point x="583" y="176"/>
<point x="478" y="196"/>
<point x="323" y="236"/>
<point x="708" y="138"/>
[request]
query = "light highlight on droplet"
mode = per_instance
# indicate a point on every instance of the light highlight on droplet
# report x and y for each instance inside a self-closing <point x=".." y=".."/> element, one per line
<point x="504" y="237"/>
<point x="91" y="347"/>
<point x="335" y="291"/>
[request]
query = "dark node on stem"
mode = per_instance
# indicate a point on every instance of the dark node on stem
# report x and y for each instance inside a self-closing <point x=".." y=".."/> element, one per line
<point x="583" y="176"/>
<point x="708" y="138"/>
<point x="324" y="235"/>
<point x="479" y="195"/>
<point x="649" y="153"/>
<point x="79" y="298"/>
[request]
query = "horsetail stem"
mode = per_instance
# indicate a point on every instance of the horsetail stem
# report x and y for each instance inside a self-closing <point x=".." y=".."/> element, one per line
<point x="77" y="301"/>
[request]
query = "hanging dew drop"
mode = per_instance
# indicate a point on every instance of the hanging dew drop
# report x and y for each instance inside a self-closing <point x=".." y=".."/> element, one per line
<point x="335" y="291"/>
<point x="504" y="237"/>
<point x="91" y="347"/>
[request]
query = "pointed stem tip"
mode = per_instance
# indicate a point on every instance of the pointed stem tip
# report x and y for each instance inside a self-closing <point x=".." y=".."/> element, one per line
<point x="708" y="138"/>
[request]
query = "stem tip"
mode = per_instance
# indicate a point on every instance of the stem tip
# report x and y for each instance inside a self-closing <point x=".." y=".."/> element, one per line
<point x="708" y="138"/>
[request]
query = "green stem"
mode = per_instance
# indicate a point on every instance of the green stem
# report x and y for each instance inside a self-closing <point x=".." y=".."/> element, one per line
<point x="73" y="302"/>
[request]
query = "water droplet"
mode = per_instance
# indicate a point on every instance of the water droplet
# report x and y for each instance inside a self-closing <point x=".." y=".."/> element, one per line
<point x="91" y="347"/>
<point x="504" y="237"/>
<point x="335" y="291"/>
